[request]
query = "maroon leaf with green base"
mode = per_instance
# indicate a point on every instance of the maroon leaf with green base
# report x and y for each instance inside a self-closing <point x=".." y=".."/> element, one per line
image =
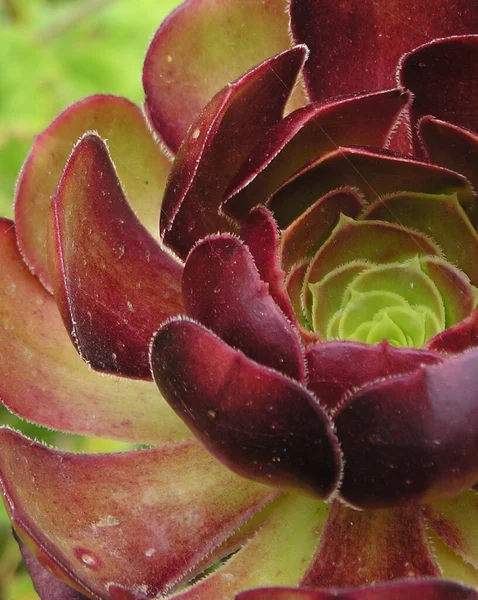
<point x="127" y="521"/>
<point x="113" y="283"/>
<point x="455" y="522"/>
<point x="260" y="423"/>
<point x="307" y="134"/>
<point x="441" y="217"/>
<point x="373" y="36"/>
<point x="454" y="148"/>
<point x="336" y="369"/>
<point x="190" y="57"/>
<point x="374" y="241"/>
<point x="371" y="171"/>
<point x="224" y="134"/>
<point x="40" y="369"/>
<point x="428" y="589"/>
<point x="367" y="547"/>
<point x="141" y="162"/>
<point x="412" y="438"/>
<point x="295" y="522"/>
<point x="308" y="232"/>
<point x="223" y="290"/>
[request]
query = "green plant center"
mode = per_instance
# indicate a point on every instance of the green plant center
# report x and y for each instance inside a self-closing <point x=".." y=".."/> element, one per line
<point x="364" y="302"/>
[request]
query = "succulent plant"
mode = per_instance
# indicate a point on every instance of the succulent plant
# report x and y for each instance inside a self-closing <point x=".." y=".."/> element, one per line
<point x="292" y="258"/>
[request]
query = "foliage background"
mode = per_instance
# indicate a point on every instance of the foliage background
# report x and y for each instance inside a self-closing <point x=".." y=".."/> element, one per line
<point x="53" y="53"/>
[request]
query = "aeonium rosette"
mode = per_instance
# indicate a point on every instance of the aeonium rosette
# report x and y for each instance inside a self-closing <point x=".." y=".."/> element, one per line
<point x="307" y="309"/>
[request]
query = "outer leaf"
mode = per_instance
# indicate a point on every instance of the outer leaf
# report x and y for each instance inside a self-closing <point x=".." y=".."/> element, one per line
<point x="138" y="521"/>
<point x="47" y="586"/>
<point x="441" y="75"/>
<point x="429" y="589"/>
<point x="113" y="283"/>
<point x="258" y="422"/>
<point x="336" y="369"/>
<point x="455" y="521"/>
<point x="42" y="378"/>
<point x="223" y="290"/>
<point x="412" y="438"/>
<point x="364" y="547"/>
<point x="200" y="48"/>
<point x="307" y="134"/>
<point x="141" y="163"/>
<point x="295" y="524"/>
<point x="224" y="134"/>
<point x="373" y="36"/>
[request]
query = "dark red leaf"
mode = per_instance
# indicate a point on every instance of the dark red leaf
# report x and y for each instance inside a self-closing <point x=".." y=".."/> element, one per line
<point x="356" y="46"/>
<point x="261" y="424"/>
<point x="218" y="143"/>
<point x="223" y="290"/>
<point x="113" y="283"/>
<point x="412" y="438"/>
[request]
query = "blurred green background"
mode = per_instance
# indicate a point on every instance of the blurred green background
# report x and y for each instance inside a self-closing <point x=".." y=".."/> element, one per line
<point x="53" y="53"/>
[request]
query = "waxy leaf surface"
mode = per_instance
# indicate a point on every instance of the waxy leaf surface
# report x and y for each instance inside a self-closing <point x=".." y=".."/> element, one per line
<point x="441" y="75"/>
<point x="224" y="134"/>
<point x="223" y="290"/>
<point x="413" y="437"/>
<point x="142" y="166"/>
<point x="307" y="134"/>
<point x="373" y="36"/>
<point x="139" y="521"/>
<point x="295" y="522"/>
<point x="113" y="283"/>
<point x="335" y="369"/>
<point x="372" y="172"/>
<point x="260" y="423"/>
<point x="42" y="378"/>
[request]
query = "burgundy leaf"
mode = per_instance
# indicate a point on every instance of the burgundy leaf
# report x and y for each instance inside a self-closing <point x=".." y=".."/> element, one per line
<point x="224" y="134"/>
<point x="335" y="369"/>
<point x="307" y="134"/>
<point x="364" y="547"/>
<point x="223" y="290"/>
<point x="457" y="339"/>
<point x="261" y="424"/>
<point x="454" y="148"/>
<point x="373" y="36"/>
<point x="40" y="369"/>
<point x="442" y="76"/>
<point x="139" y="522"/>
<point x="371" y="171"/>
<point x="261" y="236"/>
<point x="141" y="162"/>
<point x="412" y="437"/>
<point x="113" y="283"/>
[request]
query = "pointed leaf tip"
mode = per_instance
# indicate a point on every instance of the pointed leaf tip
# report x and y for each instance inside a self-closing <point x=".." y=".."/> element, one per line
<point x="113" y="283"/>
